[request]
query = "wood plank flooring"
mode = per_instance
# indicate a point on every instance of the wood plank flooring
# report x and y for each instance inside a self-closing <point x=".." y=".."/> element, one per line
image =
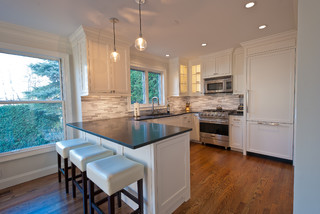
<point x="221" y="182"/>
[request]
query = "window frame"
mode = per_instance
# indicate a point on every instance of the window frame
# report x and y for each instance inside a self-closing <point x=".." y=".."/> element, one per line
<point x="65" y="101"/>
<point x="146" y="73"/>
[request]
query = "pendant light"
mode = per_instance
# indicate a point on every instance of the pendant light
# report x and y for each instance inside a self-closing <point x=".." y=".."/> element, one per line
<point x="114" y="56"/>
<point x="141" y="43"/>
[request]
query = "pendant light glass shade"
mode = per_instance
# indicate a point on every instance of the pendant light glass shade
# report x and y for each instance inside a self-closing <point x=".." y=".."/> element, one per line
<point x="114" y="56"/>
<point x="140" y="43"/>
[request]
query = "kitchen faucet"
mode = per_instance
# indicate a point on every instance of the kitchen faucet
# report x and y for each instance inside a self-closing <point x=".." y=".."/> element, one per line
<point x="154" y="98"/>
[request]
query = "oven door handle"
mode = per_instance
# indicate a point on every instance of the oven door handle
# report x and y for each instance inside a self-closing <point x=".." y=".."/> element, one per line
<point x="214" y="122"/>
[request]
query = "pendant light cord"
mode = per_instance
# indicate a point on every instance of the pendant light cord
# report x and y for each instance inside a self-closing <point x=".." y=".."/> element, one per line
<point x="114" y="37"/>
<point x="140" y="17"/>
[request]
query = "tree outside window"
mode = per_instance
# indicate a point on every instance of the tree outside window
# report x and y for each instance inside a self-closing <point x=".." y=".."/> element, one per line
<point x="31" y="106"/>
<point x="145" y="85"/>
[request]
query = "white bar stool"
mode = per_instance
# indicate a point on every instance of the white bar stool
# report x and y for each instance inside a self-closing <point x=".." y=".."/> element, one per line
<point x="63" y="148"/>
<point x="80" y="158"/>
<point x="112" y="174"/>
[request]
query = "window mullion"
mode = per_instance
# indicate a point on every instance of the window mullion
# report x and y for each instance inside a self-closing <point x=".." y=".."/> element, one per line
<point x="147" y="87"/>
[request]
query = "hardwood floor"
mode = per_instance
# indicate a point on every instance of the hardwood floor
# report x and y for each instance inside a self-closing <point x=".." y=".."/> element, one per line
<point x="221" y="182"/>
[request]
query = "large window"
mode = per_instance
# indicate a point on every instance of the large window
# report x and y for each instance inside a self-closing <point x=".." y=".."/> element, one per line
<point x="31" y="102"/>
<point x="145" y="85"/>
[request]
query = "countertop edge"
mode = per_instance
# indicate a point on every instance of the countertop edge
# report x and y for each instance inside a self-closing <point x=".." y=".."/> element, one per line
<point x="126" y="145"/>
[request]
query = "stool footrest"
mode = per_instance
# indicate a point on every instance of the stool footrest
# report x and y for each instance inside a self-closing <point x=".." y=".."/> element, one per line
<point x="101" y="201"/>
<point x="129" y="195"/>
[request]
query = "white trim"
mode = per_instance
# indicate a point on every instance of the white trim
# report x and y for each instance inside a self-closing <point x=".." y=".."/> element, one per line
<point x="26" y="152"/>
<point x="28" y="176"/>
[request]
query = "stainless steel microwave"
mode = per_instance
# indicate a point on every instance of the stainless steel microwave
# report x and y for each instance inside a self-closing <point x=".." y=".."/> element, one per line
<point x="218" y="85"/>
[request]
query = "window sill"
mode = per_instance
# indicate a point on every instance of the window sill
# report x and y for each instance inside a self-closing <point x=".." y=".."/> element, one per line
<point x="27" y="152"/>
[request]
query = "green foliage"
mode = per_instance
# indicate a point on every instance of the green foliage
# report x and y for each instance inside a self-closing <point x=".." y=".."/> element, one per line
<point x="137" y="86"/>
<point x="27" y="125"/>
<point x="154" y="80"/>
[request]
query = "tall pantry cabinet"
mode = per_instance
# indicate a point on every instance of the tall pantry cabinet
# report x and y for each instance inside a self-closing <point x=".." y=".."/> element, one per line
<point x="270" y="71"/>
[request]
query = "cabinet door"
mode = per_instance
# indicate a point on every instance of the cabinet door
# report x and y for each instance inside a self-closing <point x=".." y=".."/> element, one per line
<point x="98" y="66"/>
<point x="208" y="66"/>
<point x="238" y="73"/>
<point x="223" y="65"/>
<point x="235" y="132"/>
<point x="120" y="72"/>
<point x="270" y="139"/>
<point x="271" y="86"/>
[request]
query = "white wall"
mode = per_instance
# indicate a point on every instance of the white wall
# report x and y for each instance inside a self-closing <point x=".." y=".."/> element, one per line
<point x="307" y="165"/>
<point x="35" y="162"/>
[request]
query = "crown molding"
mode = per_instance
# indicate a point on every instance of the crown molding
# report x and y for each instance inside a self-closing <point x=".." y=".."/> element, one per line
<point x="20" y="35"/>
<point x="96" y="34"/>
<point x="274" y="42"/>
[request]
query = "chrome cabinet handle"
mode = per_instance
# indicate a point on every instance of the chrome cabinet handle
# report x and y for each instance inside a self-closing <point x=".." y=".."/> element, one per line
<point x="247" y="106"/>
<point x="268" y="124"/>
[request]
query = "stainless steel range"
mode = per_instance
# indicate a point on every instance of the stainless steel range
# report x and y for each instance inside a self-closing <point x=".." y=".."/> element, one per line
<point x="214" y="127"/>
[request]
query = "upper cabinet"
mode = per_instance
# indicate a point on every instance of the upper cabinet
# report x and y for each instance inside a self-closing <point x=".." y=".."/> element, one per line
<point x="238" y="71"/>
<point x="195" y="77"/>
<point x="178" y="77"/>
<point x="217" y="64"/>
<point x="97" y="74"/>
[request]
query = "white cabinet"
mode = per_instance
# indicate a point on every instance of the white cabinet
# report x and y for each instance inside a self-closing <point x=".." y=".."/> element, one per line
<point x="236" y="132"/>
<point x="238" y="73"/>
<point x="217" y="64"/>
<point x="270" y="71"/>
<point x="97" y="74"/>
<point x="271" y="139"/>
<point x="271" y="86"/>
<point x="185" y="120"/>
<point x="178" y="78"/>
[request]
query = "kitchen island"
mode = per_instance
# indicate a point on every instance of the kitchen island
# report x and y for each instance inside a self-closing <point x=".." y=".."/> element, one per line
<point x="163" y="150"/>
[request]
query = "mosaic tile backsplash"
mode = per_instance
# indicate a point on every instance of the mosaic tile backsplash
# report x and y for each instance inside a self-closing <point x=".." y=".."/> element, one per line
<point x="105" y="107"/>
<point x="200" y="103"/>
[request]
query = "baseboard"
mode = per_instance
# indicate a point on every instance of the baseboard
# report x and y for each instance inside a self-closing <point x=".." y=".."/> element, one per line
<point x="21" y="178"/>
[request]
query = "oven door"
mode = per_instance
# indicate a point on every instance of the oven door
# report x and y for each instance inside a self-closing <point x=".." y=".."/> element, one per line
<point x="213" y="133"/>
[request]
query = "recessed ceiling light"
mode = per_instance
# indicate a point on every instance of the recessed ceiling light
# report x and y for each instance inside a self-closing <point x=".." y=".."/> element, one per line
<point x="204" y="44"/>
<point x="167" y="55"/>
<point x="250" y="4"/>
<point x="262" y="27"/>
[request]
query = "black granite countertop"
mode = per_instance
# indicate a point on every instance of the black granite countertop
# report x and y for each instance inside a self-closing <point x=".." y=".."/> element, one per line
<point x="127" y="132"/>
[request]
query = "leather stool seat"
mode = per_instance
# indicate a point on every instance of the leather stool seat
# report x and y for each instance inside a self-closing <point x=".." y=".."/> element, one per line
<point x="112" y="175"/>
<point x="80" y="157"/>
<point x="63" y="147"/>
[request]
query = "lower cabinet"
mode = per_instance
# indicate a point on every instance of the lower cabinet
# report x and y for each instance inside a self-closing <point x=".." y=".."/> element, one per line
<point x="271" y="139"/>
<point x="236" y="132"/>
<point x="185" y="120"/>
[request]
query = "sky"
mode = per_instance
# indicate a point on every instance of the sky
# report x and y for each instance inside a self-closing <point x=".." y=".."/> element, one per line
<point x="16" y="78"/>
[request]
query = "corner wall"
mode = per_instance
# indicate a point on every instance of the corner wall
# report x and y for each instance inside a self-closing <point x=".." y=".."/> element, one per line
<point x="307" y="164"/>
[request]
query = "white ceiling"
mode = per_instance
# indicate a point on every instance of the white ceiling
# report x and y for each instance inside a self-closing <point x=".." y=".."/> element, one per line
<point x="175" y="27"/>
